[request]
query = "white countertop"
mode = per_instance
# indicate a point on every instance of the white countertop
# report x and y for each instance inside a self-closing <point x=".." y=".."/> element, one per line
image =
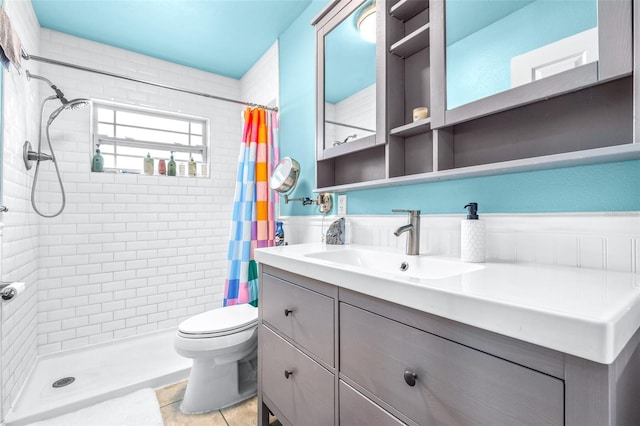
<point x="588" y="313"/>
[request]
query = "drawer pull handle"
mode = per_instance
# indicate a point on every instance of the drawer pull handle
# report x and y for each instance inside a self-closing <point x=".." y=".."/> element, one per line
<point x="287" y="374"/>
<point x="410" y="377"/>
<point x="287" y="312"/>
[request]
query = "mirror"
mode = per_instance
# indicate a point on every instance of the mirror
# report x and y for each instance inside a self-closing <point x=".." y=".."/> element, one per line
<point x="545" y="37"/>
<point x="284" y="179"/>
<point x="285" y="175"/>
<point x="349" y="82"/>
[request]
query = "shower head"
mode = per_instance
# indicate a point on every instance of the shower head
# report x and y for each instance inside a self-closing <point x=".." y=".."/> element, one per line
<point x="73" y="104"/>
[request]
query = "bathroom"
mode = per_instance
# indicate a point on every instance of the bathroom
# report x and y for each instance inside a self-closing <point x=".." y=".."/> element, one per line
<point x="134" y="255"/>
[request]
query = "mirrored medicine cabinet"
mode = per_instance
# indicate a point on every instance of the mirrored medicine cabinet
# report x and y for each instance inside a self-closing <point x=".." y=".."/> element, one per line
<point x="346" y="85"/>
<point x="349" y="83"/>
<point x="509" y="85"/>
<point x="503" y="54"/>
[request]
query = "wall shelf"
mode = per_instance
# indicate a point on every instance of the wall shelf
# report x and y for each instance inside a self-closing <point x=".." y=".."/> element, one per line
<point x="413" y="43"/>
<point x="569" y="159"/>
<point x="416" y="128"/>
<point x="349" y="147"/>
<point x="407" y="9"/>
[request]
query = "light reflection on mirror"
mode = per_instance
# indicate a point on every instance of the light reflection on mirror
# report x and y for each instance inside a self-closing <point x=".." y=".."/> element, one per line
<point x="494" y="45"/>
<point x="349" y="83"/>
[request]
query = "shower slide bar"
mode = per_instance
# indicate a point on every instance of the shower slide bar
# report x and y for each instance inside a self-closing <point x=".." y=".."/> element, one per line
<point x="26" y="56"/>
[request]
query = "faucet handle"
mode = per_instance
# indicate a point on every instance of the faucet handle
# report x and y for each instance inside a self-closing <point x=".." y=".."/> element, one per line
<point x="411" y="212"/>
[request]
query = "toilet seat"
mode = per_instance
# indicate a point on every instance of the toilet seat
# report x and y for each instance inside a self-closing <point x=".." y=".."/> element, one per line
<point x="219" y="322"/>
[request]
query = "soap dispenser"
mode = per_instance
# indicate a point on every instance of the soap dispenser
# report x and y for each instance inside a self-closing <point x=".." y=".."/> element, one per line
<point x="472" y="236"/>
<point x="171" y="169"/>
<point x="192" y="167"/>
<point x="148" y="165"/>
<point x="97" y="164"/>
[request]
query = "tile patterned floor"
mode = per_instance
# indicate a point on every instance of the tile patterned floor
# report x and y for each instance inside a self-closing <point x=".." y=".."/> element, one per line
<point x="170" y="397"/>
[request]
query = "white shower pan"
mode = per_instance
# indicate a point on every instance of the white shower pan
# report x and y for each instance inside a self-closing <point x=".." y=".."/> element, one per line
<point x="103" y="371"/>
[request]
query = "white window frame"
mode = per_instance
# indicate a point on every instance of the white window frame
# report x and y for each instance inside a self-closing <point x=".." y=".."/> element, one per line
<point x="151" y="145"/>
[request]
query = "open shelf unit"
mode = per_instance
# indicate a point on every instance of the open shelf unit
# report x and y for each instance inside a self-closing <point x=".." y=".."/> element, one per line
<point x="593" y="124"/>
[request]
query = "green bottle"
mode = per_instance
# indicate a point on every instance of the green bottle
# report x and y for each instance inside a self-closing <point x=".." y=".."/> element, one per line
<point x="171" y="168"/>
<point x="97" y="164"/>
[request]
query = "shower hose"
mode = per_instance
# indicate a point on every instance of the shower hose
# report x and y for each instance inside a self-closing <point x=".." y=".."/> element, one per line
<point x="55" y="163"/>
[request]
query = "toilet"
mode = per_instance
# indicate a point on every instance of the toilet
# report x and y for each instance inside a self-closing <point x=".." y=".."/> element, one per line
<point x="223" y="344"/>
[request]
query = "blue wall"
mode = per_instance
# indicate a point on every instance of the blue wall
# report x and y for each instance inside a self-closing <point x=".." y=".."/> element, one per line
<point x="298" y="103"/>
<point x="601" y="187"/>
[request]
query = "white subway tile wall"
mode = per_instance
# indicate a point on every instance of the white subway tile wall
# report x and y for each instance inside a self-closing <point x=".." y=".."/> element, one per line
<point x="609" y="241"/>
<point x="260" y="85"/>
<point x="19" y="254"/>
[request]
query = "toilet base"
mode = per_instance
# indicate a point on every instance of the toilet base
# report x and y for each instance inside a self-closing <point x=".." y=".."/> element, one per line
<point x="212" y="387"/>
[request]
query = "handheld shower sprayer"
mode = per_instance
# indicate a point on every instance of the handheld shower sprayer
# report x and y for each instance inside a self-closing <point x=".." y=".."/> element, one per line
<point x="73" y="104"/>
<point x="29" y="155"/>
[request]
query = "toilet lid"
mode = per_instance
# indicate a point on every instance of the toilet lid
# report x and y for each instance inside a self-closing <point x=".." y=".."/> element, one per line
<point x="220" y="320"/>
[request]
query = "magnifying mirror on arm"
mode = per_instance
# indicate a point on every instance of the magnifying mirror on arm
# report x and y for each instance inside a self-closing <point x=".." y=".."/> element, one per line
<point x="284" y="179"/>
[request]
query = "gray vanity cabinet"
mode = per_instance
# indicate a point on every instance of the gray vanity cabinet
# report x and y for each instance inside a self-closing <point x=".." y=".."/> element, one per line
<point x="436" y="381"/>
<point x="296" y="349"/>
<point x="303" y="316"/>
<point x="386" y="364"/>
<point x="300" y="388"/>
<point x="356" y="409"/>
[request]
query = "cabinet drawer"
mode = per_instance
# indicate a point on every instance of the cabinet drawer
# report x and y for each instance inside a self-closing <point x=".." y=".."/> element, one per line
<point x="455" y="384"/>
<point x="356" y="409"/>
<point x="306" y="396"/>
<point x="303" y="315"/>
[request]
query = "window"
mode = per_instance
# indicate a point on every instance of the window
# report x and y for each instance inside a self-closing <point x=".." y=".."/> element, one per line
<point x="126" y="134"/>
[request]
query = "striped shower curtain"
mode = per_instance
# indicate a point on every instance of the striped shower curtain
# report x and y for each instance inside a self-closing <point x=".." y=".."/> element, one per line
<point x="253" y="221"/>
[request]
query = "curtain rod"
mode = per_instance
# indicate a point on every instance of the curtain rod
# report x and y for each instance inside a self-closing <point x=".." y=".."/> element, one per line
<point x="151" y="83"/>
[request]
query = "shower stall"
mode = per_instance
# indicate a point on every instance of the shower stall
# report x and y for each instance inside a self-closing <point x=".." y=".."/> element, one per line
<point x="131" y="255"/>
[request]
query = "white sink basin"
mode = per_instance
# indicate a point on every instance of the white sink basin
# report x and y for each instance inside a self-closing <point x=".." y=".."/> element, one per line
<point x="387" y="262"/>
<point x="584" y="312"/>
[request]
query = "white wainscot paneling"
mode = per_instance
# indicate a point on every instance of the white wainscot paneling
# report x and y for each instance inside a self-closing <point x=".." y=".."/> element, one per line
<point x="588" y="240"/>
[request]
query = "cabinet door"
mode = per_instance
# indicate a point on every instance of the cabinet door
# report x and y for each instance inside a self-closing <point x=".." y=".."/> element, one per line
<point x="358" y="410"/>
<point x="592" y="43"/>
<point x="301" y="389"/>
<point x="302" y="315"/>
<point x="436" y="381"/>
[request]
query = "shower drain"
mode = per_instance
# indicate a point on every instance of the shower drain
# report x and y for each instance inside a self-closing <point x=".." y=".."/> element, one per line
<point x="60" y="383"/>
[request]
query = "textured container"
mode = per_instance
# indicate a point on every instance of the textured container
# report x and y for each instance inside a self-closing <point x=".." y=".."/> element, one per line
<point x="472" y="241"/>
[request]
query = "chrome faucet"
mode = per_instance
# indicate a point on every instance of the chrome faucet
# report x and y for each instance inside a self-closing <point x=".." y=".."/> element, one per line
<point x="413" y="227"/>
